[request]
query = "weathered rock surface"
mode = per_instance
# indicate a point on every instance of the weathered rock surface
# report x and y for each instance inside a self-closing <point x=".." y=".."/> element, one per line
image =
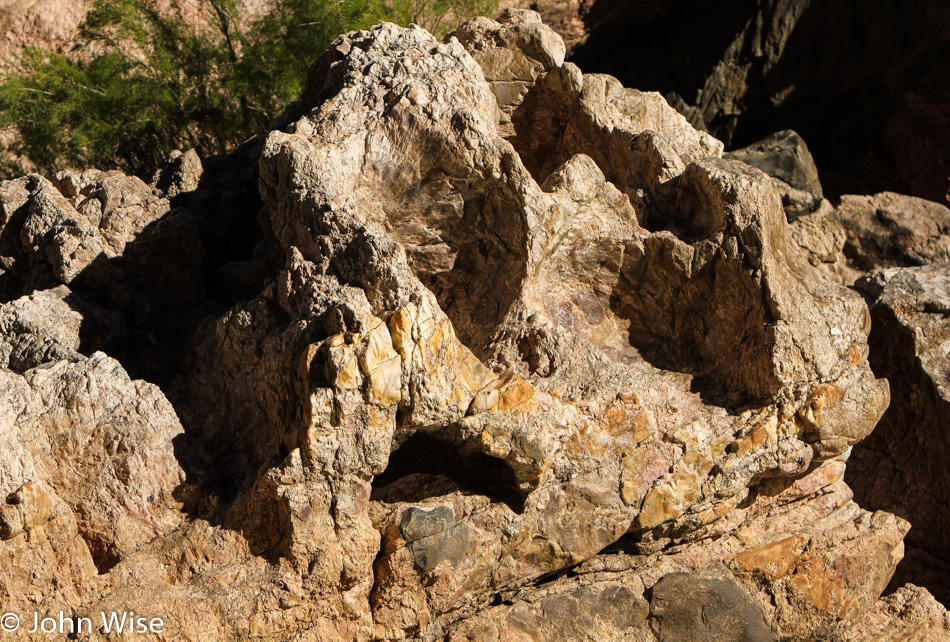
<point x="785" y="157"/>
<point x="893" y="230"/>
<point x="46" y="24"/>
<point x="88" y="465"/>
<point x="865" y="233"/>
<point x="822" y="237"/>
<point x="181" y="173"/>
<point x="795" y="566"/>
<point x="571" y="19"/>
<point x="537" y="364"/>
<point x="910" y="614"/>
<point x="901" y="467"/>
<point x="747" y="69"/>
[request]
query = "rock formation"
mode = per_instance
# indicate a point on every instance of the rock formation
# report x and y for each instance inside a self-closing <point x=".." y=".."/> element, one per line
<point x="746" y="69"/>
<point x="901" y="467"/>
<point x="508" y="352"/>
<point x="785" y="157"/>
<point x="46" y="24"/>
<point x="894" y="249"/>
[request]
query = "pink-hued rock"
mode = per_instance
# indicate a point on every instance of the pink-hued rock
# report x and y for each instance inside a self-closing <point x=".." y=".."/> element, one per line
<point x="537" y="364"/>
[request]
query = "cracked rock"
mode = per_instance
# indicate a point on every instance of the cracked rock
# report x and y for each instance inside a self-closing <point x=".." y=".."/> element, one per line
<point x="513" y="352"/>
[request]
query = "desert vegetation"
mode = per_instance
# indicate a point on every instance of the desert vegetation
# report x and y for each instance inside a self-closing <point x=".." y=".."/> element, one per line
<point x="144" y="81"/>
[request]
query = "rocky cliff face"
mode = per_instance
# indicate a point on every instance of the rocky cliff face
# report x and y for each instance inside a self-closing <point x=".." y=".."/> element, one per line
<point x="498" y="351"/>
<point x="745" y="69"/>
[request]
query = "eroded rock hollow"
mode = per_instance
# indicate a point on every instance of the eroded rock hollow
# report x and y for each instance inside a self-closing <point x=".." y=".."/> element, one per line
<point x="499" y="351"/>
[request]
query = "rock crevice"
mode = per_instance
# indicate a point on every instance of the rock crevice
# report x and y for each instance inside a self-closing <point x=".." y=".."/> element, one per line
<point x="466" y="374"/>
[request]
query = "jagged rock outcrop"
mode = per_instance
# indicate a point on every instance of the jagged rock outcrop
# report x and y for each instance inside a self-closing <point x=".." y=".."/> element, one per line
<point x="909" y="613"/>
<point x="538" y="363"/>
<point x="861" y="233"/>
<point x="785" y="157"/>
<point x="747" y="69"/>
<point x="901" y="466"/>
<point x="87" y="466"/>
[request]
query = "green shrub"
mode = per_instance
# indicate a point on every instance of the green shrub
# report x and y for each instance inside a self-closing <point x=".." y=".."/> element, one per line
<point x="157" y="83"/>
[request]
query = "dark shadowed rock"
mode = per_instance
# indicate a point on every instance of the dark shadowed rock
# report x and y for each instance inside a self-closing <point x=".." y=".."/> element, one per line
<point x="417" y="523"/>
<point x="695" y="607"/>
<point x="746" y="69"/>
<point x="785" y="157"/>
<point x="449" y="545"/>
<point x="902" y="466"/>
<point x="180" y="173"/>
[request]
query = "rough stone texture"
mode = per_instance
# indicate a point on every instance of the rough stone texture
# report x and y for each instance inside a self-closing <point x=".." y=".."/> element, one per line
<point x="794" y="551"/>
<point x="569" y="18"/>
<point x="785" y="157"/>
<point x="49" y="24"/>
<point x="87" y="463"/>
<point x="902" y="466"/>
<point x="910" y="614"/>
<point x="512" y="350"/>
<point x="822" y="236"/>
<point x="746" y="69"/>
<point x="693" y="607"/>
<point x="893" y="230"/>
<point x="73" y="230"/>
<point x="467" y="204"/>
<point x="180" y="173"/>
<point x="869" y="232"/>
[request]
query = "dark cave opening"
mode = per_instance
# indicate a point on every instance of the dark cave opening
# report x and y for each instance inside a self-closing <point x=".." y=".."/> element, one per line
<point x="428" y="460"/>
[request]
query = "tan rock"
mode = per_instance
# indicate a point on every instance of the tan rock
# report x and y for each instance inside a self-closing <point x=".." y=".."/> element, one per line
<point x="893" y="230"/>
<point x="553" y="302"/>
<point x="910" y="613"/>
<point x="509" y="383"/>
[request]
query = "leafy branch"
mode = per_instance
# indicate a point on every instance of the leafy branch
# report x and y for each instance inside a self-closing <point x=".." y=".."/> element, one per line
<point x="159" y="84"/>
